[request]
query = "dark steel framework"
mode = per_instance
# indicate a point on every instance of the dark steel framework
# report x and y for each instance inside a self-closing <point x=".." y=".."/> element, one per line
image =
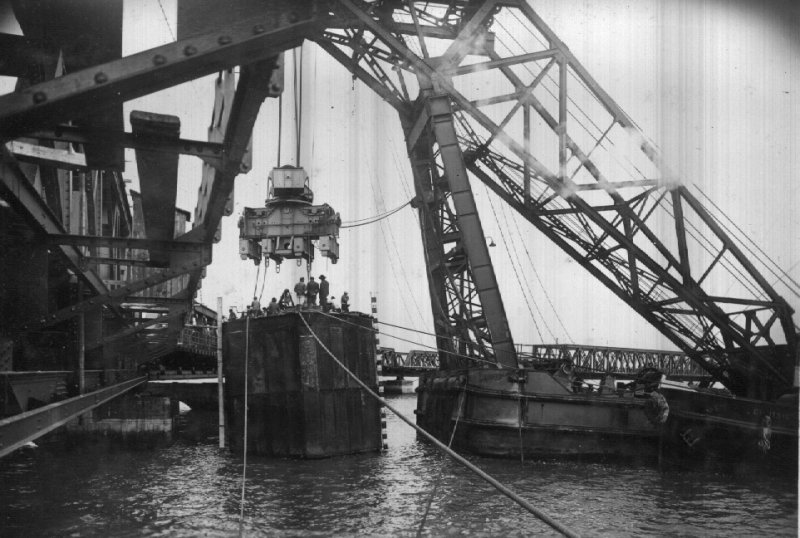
<point x="484" y="89"/>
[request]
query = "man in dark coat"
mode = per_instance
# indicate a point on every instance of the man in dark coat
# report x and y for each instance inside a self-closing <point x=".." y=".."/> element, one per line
<point x="312" y="289"/>
<point x="324" y="288"/>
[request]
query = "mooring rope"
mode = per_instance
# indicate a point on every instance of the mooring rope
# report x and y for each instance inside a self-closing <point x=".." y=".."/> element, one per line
<point x="244" y="448"/>
<point x="543" y="516"/>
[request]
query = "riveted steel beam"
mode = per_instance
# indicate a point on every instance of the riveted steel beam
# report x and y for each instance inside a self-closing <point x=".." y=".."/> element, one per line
<point x="76" y="94"/>
<point x="135" y="299"/>
<point x="126" y="242"/>
<point x="209" y="152"/>
<point x="158" y="178"/>
<point x="20" y="429"/>
<point x="252" y="89"/>
<point x="60" y="158"/>
<point x="117" y="261"/>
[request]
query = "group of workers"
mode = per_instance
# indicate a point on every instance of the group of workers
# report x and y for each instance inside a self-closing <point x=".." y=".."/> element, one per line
<point x="306" y="298"/>
<point x="307" y="295"/>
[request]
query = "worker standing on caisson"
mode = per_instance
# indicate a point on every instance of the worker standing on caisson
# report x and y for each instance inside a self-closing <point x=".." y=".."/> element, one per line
<point x="311" y="292"/>
<point x="324" y="288"/>
<point x="286" y="302"/>
<point x="345" y="302"/>
<point x="255" y="308"/>
<point x="300" y="291"/>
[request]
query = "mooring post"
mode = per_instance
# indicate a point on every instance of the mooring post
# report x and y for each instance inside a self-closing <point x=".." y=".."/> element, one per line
<point x="221" y="402"/>
<point x="379" y="370"/>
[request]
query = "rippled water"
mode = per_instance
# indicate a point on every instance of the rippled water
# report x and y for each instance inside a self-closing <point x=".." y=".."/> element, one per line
<point x="192" y="488"/>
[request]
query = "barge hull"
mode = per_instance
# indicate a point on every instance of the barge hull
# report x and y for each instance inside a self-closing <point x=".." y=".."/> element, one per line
<point x="534" y="414"/>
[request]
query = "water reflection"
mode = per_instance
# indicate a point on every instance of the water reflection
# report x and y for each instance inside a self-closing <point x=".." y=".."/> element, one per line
<point x="192" y="488"/>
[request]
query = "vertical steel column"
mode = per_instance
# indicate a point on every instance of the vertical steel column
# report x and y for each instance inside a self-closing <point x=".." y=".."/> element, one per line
<point x="81" y="345"/>
<point x="221" y="402"/>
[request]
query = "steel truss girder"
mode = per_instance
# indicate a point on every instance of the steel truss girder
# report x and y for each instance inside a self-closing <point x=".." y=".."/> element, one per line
<point x="73" y="95"/>
<point x="633" y="274"/>
<point x="461" y="278"/>
<point x="182" y="263"/>
<point x="25" y="427"/>
<point x="389" y="95"/>
<point x="428" y="198"/>
<point x="472" y="239"/>
<point x="597" y="359"/>
<point x="18" y="191"/>
<point x="254" y="86"/>
<point x="662" y="319"/>
<point x="137" y="328"/>
<point x="252" y="89"/>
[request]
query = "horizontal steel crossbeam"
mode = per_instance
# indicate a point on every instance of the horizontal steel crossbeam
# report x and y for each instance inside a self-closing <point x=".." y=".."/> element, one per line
<point x="125" y="242"/>
<point x="210" y="152"/>
<point x="76" y="94"/>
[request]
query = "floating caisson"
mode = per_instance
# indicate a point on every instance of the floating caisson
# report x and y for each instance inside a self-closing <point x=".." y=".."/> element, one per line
<point x="300" y="402"/>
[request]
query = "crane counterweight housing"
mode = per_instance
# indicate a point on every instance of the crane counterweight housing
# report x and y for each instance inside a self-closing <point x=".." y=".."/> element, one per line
<point x="288" y="224"/>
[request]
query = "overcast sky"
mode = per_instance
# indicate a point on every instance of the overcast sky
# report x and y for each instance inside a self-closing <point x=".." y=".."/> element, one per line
<point x="713" y="84"/>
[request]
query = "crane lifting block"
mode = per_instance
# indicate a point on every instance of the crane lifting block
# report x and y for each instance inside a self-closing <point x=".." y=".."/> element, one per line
<point x="287" y="226"/>
<point x="288" y="181"/>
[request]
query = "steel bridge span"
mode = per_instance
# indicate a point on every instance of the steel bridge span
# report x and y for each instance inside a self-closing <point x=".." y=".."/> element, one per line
<point x="622" y="362"/>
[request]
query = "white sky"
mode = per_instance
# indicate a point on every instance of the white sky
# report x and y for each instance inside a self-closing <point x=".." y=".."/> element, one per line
<point x="713" y="84"/>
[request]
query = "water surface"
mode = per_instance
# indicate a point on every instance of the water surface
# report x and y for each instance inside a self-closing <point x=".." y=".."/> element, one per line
<point x="193" y="488"/>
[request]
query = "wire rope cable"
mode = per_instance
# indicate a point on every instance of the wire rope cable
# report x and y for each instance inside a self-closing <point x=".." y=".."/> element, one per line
<point x="441" y="468"/>
<point x="263" y="283"/>
<point x="372" y="220"/>
<point x="519" y="279"/>
<point x="380" y="200"/>
<point x="433" y="348"/>
<point x="750" y="239"/>
<point x="280" y="126"/>
<point x="541" y="284"/>
<point x="255" y="285"/>
<point x="540" y="514"/>
<point x="298" y="99"/>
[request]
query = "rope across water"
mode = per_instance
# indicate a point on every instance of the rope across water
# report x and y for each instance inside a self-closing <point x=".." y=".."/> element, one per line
<point x="543" y="516"/>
